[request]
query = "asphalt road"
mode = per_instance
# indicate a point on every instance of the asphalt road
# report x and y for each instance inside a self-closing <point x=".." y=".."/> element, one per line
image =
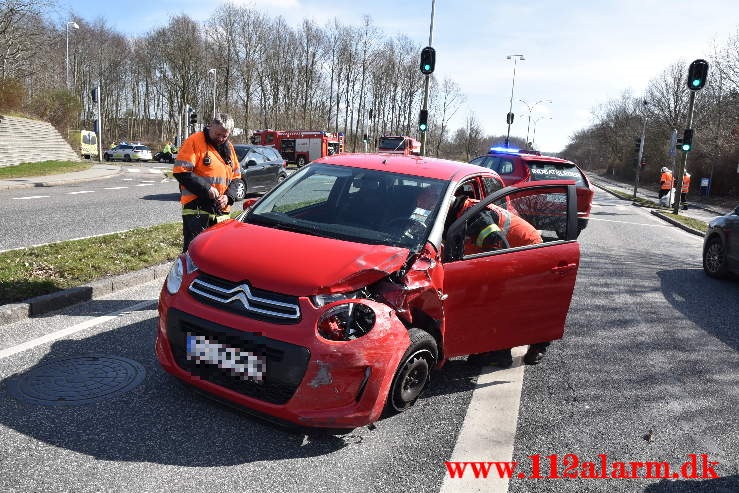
<point x="140" y="196"/>
<point x="647" y="371"/>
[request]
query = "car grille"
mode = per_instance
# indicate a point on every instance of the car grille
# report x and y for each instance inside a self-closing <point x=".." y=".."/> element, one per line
<point x="245" y="300"/>
<point x="285" y="363"/>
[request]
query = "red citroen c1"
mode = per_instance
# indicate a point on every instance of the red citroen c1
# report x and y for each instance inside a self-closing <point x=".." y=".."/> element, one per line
<point x="328" y="301"/>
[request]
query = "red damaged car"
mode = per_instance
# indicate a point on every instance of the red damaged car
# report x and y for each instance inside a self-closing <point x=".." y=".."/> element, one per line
<point x="329" y="301"/>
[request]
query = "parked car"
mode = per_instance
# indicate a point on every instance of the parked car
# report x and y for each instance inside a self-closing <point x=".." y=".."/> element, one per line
<point x="128" y="152"/>
<point x="721" y="245"/>
<point x="518" y="166"/>
<point x="262" y="167"/>
<point x="380" y="292"/>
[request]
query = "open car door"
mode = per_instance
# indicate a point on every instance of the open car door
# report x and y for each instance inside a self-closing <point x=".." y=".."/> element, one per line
<point x="506" y="297"/>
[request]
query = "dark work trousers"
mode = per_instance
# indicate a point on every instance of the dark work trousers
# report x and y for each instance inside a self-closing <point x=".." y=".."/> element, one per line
<point x="193" y="225"/>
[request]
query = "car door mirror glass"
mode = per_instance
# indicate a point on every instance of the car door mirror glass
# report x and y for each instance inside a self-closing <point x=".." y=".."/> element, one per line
<point x="251" y="162"/>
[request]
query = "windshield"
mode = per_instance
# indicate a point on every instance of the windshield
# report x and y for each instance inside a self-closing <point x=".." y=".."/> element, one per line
<point x="392" y="143"/>
<point x="353" y="204"/>
<point x="545" y="170"/>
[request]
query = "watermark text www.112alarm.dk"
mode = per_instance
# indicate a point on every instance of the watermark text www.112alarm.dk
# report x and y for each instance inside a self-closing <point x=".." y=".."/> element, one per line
<point x="570" y="466"/>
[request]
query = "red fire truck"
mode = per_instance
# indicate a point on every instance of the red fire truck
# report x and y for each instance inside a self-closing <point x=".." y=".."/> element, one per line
<point x="300" y="146"/>
<point x="399" y="144"/>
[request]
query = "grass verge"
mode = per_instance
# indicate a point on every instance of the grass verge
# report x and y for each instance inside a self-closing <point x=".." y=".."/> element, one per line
<point x="43" y="168"/>
<point x="49" y="268"/>
<point x="687" y="221"/>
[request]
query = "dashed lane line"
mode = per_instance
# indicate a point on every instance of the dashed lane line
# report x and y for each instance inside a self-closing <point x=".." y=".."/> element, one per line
<point x="32" y="197"/>
<point x="80" y="191"/>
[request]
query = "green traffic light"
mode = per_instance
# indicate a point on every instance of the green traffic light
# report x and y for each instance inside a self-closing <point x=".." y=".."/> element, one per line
<point x="696" y="82"/>
<point x="686" y="147"/>
<point x="427" y="67"/>
<point x="422" y="127"/>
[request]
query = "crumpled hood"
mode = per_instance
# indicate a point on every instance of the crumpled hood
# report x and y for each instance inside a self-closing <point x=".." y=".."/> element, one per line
<point x="291" y="263"/>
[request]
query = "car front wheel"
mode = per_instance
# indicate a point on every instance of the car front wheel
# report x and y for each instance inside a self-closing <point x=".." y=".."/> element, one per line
<point x="301" y="161"/>
<point x="127" y="158"/>
<point x="714" y="259"/>
<point x="413" y="373"/>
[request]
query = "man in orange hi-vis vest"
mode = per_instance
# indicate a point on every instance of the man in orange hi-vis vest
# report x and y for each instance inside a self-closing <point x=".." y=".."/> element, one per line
<point x="208" y="172"/>
<point x="684" y="190"/>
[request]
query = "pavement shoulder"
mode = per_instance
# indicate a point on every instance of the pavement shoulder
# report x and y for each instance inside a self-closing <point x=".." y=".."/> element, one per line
<point x="47" y="303"/>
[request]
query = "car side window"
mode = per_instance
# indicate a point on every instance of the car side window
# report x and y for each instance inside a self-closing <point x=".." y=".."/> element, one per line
<point x="505" y="167"/>
<point x="256" y="156"/>
<point x="478" y="160"/>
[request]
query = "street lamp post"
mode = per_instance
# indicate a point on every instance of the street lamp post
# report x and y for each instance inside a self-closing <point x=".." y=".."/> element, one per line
<point x="213" y="71"/>
<point x="75" y="26"/>
<point x="531" y="109"/>
<point x="533" y="137"/>
<point x="509" y="116"/>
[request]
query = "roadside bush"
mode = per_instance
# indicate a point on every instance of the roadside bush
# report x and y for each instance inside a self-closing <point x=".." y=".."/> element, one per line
<point x="12" y="95"/>
<point x="60" y="107"/>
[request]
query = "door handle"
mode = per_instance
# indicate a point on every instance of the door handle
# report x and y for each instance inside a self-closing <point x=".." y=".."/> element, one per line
<point x="564" y="268"/>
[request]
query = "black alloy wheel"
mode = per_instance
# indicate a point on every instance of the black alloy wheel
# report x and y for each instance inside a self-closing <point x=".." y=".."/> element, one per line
<point x="714" y="259"/>
<point x="414" y="372"/>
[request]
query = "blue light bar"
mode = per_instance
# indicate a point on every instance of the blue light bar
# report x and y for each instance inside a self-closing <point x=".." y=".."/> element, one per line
<point x="509" y="150"/>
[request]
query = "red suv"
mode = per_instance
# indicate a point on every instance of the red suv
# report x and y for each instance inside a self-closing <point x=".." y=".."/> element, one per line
<point x="328" y="301"/>
<point x="517" y="166"/>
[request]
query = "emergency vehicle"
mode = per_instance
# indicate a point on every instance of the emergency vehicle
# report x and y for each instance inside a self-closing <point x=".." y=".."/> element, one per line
<point x="300" y="146"/>
<point x="85" y="142"/>
<point x="399" y="144"/>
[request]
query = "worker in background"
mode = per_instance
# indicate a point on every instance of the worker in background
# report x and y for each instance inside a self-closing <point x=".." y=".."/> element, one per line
<point x="665" y="186"/>
<point x="208" y="172"/>
<point x="684" y="190"/>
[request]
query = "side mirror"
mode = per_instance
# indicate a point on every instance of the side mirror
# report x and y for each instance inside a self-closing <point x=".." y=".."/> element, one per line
<point x="251" y="162"/>
<point x="249" y="202"/>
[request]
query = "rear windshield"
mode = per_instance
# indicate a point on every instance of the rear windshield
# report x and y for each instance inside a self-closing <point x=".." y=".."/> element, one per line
<point x="546" y="170"/>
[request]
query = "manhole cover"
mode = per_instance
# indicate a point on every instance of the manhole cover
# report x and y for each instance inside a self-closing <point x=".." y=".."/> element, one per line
<point x="77" y="380"/>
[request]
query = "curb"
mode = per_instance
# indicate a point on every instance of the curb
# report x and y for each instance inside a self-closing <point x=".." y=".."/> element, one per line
<point x="14" y="312"/>
<point x="5" y="185"/>
<point x="678" y="223"/>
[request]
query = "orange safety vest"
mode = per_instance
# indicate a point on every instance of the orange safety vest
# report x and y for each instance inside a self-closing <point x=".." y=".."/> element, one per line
<point x="686" y="183"/>
<point x="191" y="158"/>
<point x="516" y="230"/>
<point x="665" y="181"/>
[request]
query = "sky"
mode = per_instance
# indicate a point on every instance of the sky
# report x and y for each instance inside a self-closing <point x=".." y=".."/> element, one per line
<point x="578" y="54"/>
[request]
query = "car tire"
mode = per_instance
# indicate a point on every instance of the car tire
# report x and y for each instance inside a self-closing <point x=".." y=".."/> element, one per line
<point x="413" y="373"/>
<point x="127" y="158"/>
<point x="241" y="190"/>
<point x="106" y="156"/>
<point x="281" y="177"/>
<point x="714" y="259"/>
<point x="300" y="161"/>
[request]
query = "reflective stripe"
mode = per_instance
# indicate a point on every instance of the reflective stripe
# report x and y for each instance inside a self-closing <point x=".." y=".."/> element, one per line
<point x="185" y="192"/>
<point x="216" y="180"/>
<point x="487" y="231"/>
<point x="185" y="165"/>
<point x="213" y="217"/>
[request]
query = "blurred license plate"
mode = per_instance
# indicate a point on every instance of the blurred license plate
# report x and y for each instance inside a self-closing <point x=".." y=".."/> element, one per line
<point x="239" y="363"/>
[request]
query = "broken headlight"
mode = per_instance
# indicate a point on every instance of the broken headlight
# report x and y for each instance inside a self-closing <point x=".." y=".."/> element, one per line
<point x="346" y="321"/>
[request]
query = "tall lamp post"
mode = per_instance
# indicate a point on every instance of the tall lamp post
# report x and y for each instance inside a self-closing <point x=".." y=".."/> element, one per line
<point x="213" y="71"/>
<point x="75" y="26"/>
<point x="533" y="138"/>
<point x="531" y="109"/>
<point x="509" y="116"/>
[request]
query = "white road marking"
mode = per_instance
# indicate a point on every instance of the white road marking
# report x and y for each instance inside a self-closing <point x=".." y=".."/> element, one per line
<point x="144" y="184"/>
<point x="651" y="225"/>
<point x="134" y="170"/>
<point x="489" y="428"/>
<point x="31" y="197"/>
<point x="127" y="179"/>
<point x="81" y="191"/>
<point x="114" y="188"/>
<point x="60" y="334"/>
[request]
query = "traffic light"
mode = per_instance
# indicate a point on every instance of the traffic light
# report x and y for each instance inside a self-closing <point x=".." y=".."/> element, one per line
<point x="509" y="118"/>
<point x="428" y="60"/>
<point x="637" y="144"/>
<point x="193" y="118"/>
<point x="687" y="143"/>
<point x="94" y="94"/>
<point x="423" y="120"/>
<point x="697" y="75"/>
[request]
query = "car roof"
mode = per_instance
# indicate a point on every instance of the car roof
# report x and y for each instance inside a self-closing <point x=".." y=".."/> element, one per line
<point x="425" y="167"/>
<point x="525" y="156"/>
